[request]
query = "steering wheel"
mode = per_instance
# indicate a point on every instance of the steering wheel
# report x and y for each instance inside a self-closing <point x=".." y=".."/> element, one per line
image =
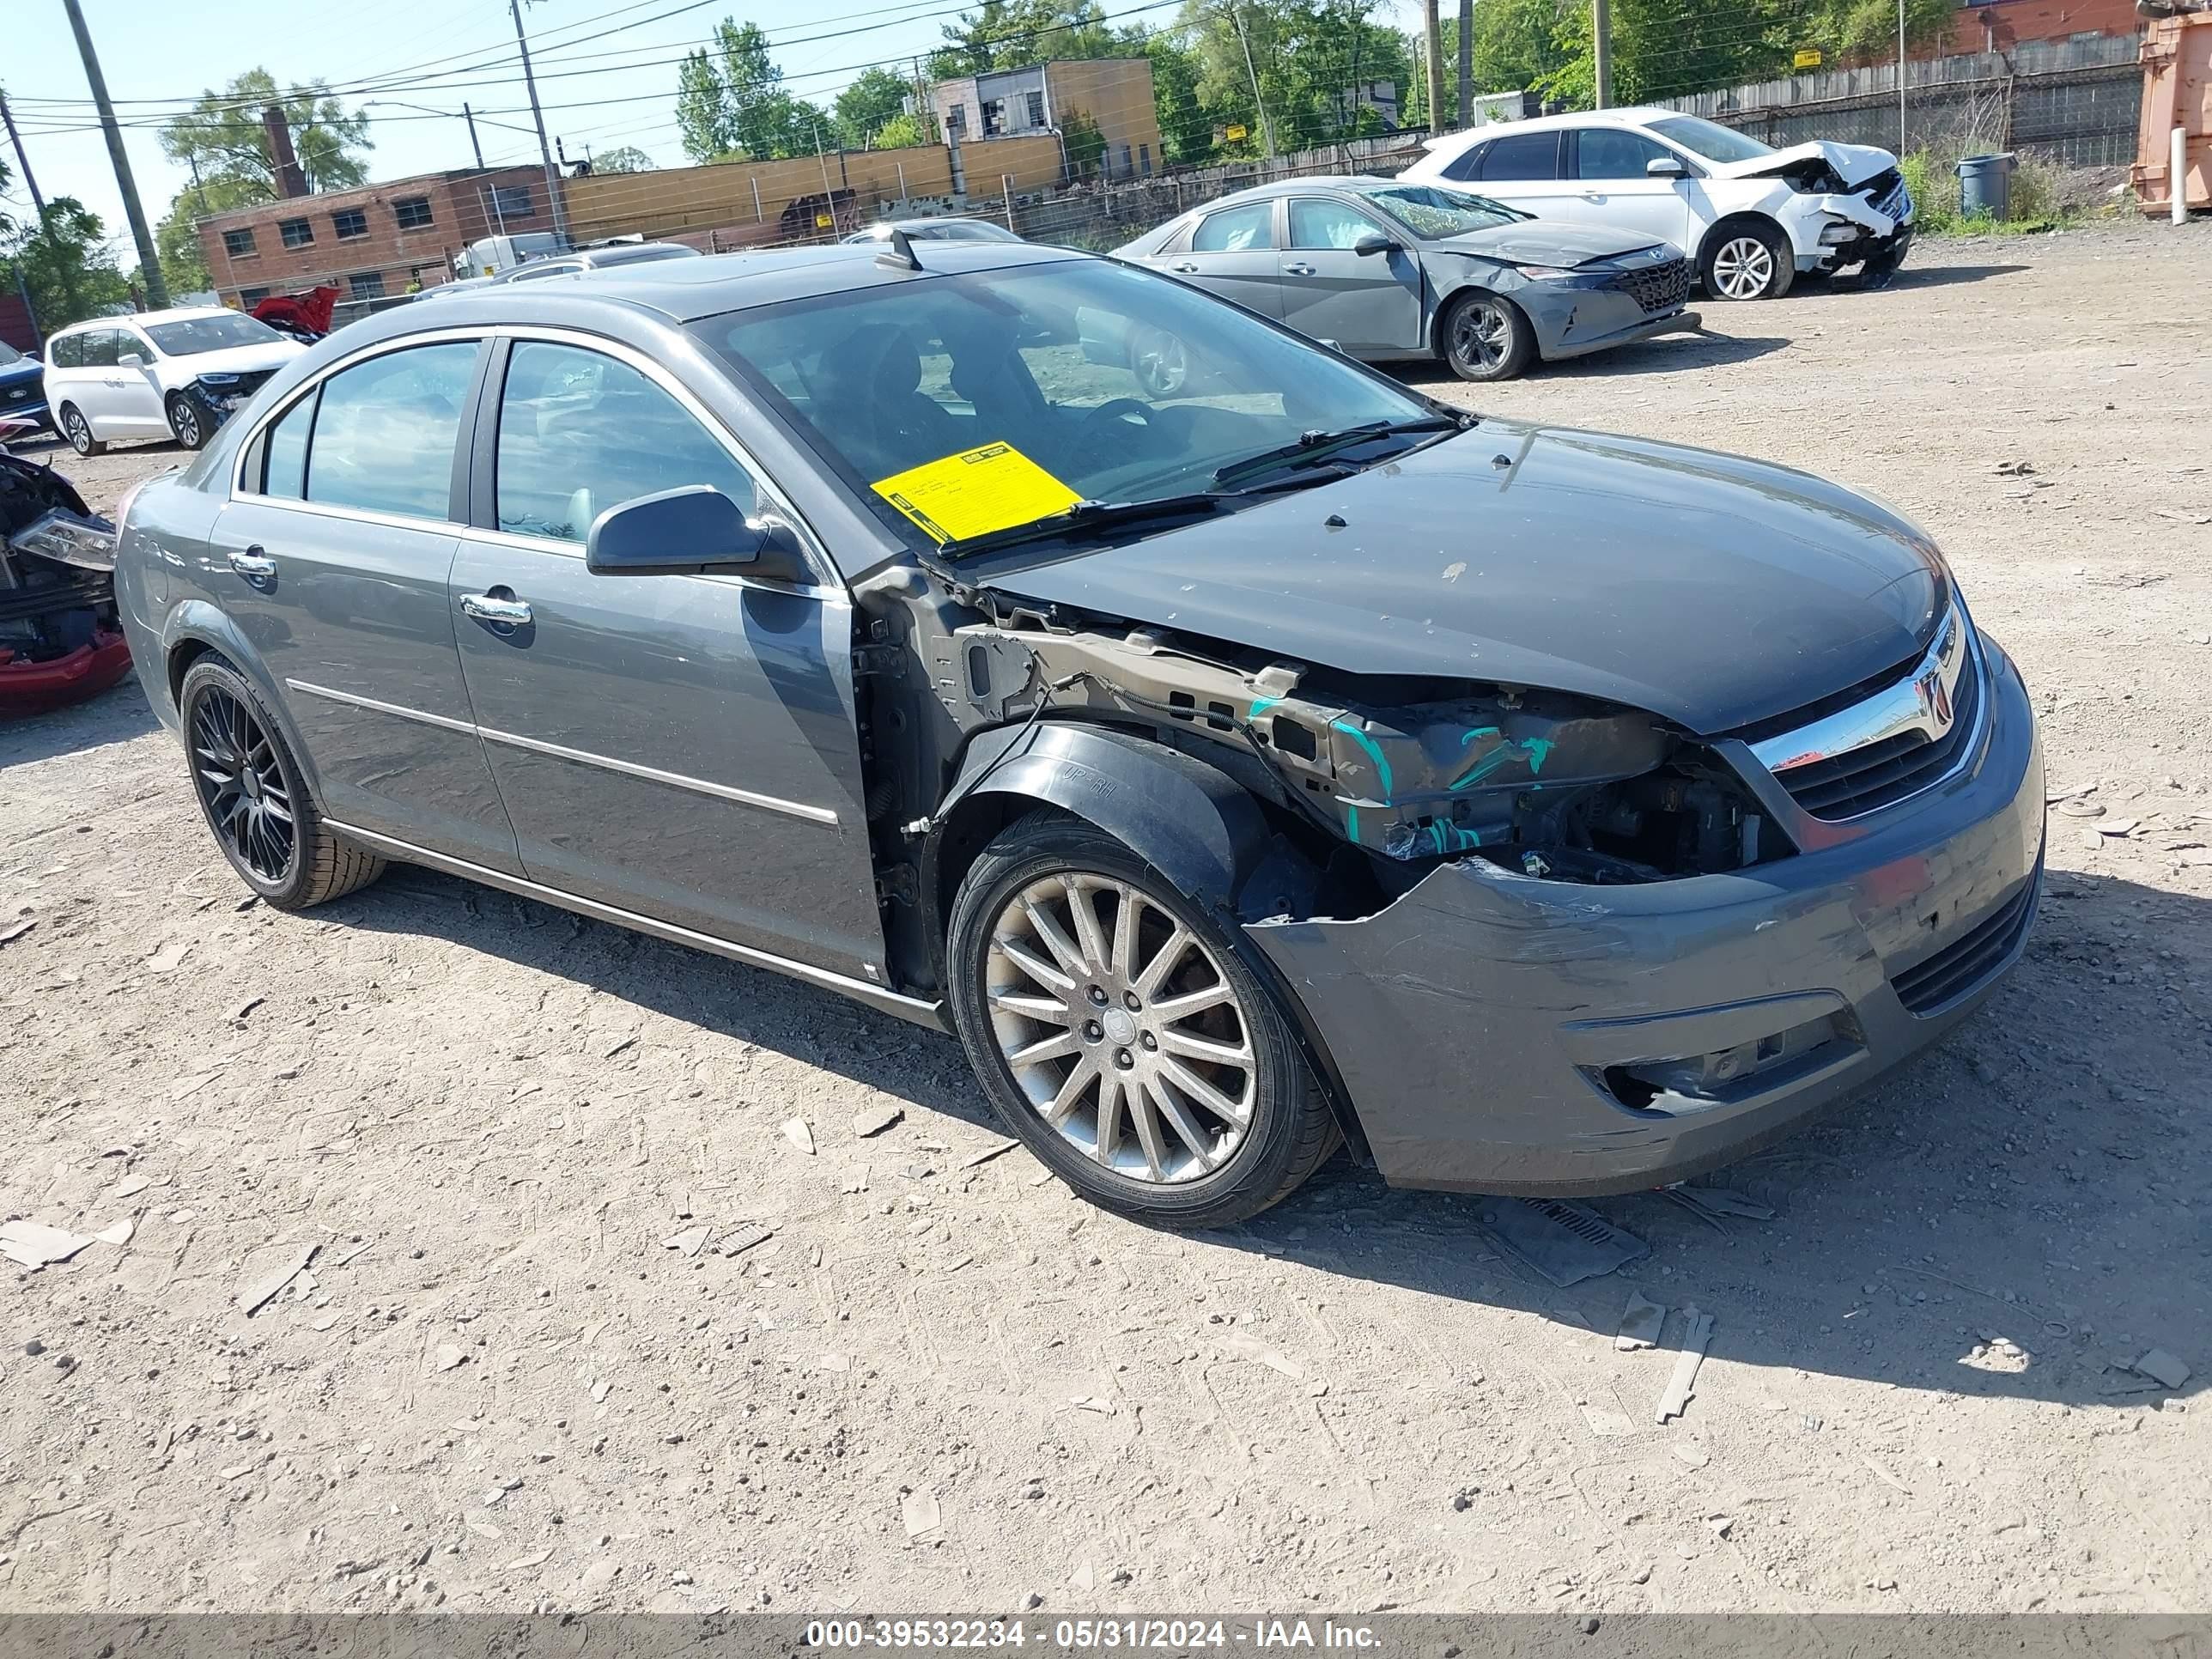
<point x="1110" y="421"/>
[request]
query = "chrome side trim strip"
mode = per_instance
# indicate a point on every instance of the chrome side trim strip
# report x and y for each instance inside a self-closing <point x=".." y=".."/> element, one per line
<point x="1921" y="701"/>
<point x="913" y="1009"/>
<point x="654" y="775"/>
<point x="445" y="722"/>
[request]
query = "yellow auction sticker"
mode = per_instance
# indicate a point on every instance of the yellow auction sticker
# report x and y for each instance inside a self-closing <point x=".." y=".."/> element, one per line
<point x="975" y="491"/>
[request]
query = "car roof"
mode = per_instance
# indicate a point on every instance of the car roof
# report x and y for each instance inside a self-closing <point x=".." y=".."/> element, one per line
<point x="682" y="290"/>
<point x="1633" y="115"/>
<point x="140" y="318"/>
<point x="1350" y="184"/>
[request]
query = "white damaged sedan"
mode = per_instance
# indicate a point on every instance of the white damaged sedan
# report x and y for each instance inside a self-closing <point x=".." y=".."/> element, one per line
<point x="1755" y="217"/>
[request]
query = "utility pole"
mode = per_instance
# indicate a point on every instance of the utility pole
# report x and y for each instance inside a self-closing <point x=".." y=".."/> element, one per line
<point x="1900" y="80"/>
<point x="1601" y="54"/>
<point x="30" y="182"/>
<point x="149" y="263"/>
<point x="469" y="116"/>
<point x="537" y="115"/>
<point x="1465" y="63"/>
<point x="1266" y="127"/>
<point x="1432" y="51"/>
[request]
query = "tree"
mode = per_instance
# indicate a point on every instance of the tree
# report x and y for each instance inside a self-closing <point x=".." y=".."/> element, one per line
<point x="223" y="138"/>
<point x="1186" y="130"/>
<point x="868" y="105"/>
<point x="66" y="265"/>
<point x="1311" y="57"/>
<point x="1011" y="33"/>
<point x="903" y="131"/>
<point x="1081" y="142"/>
<point x="731" y="102"/>
<point x="623" y="158"/>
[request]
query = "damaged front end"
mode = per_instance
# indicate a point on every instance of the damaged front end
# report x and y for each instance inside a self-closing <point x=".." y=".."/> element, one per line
<point x="60" y="640"/>
<point x="219" y="395"/>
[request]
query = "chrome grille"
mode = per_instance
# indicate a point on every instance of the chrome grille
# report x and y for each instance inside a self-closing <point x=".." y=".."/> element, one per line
<point x="1905" y="738"/>
<point x="1968" y="961"/>
<point x="1657" y="288"/>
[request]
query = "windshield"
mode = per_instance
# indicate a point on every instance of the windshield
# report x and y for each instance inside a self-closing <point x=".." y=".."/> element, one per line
<point x="1430" y="213"/>
<point x="200" y="334"/>
<point x="9" y="356"/>
<point x="964" y="403"/>
<point x="1711" y="139"/>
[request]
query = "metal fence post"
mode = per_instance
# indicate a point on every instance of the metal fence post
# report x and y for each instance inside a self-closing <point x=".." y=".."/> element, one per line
<point x="1006" y="184"/>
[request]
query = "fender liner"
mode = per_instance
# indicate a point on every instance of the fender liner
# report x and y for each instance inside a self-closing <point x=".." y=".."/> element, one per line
<point x="1194" y="824"/>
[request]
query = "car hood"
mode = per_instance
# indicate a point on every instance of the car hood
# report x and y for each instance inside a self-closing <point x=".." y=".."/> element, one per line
<point x="29" y="372"/>
<point x="235" y="360"/>
<point x="1709" y="590"/>
<point x="1854" y="163"/>
<point x="1544" y="242"/>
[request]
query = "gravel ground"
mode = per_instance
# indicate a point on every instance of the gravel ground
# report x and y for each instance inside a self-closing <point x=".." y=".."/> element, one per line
<point x="944" y="1383"/>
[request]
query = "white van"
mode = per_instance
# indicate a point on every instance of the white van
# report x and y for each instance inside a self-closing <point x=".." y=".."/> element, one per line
<point x="158" y="374"/>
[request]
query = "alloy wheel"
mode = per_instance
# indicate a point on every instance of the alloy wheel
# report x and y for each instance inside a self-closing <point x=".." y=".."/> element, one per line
<point x="1480" y="335"/>
<point x="1161" y="365"/>
<point x="79" y="433"/>
<point x="187" y="424"/>
<point x="1744" y="267"/>
<point x="241" y="784"/>
<point x="1120" y="1027"/>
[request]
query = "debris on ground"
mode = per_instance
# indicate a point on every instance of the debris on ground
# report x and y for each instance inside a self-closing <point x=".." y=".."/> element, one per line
<point x="1640" y="1324"/>
<point x="1697" y="1330"/>
<point x="30" y="1244"/>
<point x="2162" y="1368"/>
<point x="260" y="1287"/>
<point x="998" y="1150"/>
<point x="796" y="1132"/>
<point x="1564" y="1242"/>
<point x="744" y="1238"/>
<point x="690" y="1242"/>
<point x="446" y="1356"/>
<point x="918" y="1509"/>
<point x="1245" y="1345"/>
<point x="875" y="1120"/>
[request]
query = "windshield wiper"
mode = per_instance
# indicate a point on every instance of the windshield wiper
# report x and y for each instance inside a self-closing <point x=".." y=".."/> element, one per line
<point x="1082" y="517"/>
<point x="1314" y="446"/>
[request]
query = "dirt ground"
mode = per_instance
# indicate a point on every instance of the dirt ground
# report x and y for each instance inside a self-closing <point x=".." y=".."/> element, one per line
<point x="946" y="1384"/>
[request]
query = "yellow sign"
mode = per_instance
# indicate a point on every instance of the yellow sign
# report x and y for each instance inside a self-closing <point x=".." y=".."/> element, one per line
<point x="975" y="492"/>
<point x="1806" y="57"/>
<point x="1235" y="134"/>
<point x="822" y="221"/>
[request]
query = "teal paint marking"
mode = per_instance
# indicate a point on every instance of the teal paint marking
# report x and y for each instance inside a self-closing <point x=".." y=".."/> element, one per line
<point x="1374" y="753"/>
<point x="1474" y="732"/>
<point x="1539" y="749"/>
<point x="1351" y="823"/>
<point x="1536" y="750"/>
<point x="1260" y="705"/>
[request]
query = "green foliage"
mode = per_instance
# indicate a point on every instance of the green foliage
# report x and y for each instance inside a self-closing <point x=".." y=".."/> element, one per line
<point x="903" y="131"/>
<point x="2037" y="195"/>
<point x="868" y="105"/>
<point x="1083" y="145"/>
<point x="623" y="158"/>
<point x="222" y="137"/>
<point x="1186" y="130"/>
<point x="731" y="102"/>
<point x="1009" y="33"/>
<point x="66" y="265"/>
<point x="177" y="244"/>
<point x="1309" y="57"/>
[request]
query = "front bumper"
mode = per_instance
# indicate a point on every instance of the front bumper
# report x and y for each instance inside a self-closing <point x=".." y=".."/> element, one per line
<point x="1836" y="232"/>
<point x="1483" y="1026"/>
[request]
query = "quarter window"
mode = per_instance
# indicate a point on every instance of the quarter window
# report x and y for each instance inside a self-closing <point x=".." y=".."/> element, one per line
<point x="99" y="348"/>
<point x="238" y="243"/>
<point x="1316" y="222"/>
<point x="1609" y="152"/>
<point x="1235" y="229"/>
<point x="287" y="475"/>
<point x="383" y="436"/>
<point x="580" y="431"/>
<point x="68" y="352"/>
<point x="413" y="213"/>
<point x="350" y="222"/>
<point x="296" y="233"/>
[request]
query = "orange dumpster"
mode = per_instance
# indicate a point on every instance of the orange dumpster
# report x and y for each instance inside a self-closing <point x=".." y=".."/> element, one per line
<point x="2177" y="61"/>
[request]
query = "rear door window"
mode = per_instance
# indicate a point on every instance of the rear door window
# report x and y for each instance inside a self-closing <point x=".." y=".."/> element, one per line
<point x="1236" y="230"/>
<point x="581" y="432"/>
<point x="1609" y="152"/>
<point x="100" y="348"/>
<point x="385" y="431"/>
<point x="1522" y="156"/>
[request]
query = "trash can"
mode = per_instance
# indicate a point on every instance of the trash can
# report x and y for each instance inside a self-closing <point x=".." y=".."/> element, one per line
<point x="1985" y="186"/>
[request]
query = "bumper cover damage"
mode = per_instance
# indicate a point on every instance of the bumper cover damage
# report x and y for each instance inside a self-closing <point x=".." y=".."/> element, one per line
<point x="1497" y="1032"/>
<point x="59" y="638"/>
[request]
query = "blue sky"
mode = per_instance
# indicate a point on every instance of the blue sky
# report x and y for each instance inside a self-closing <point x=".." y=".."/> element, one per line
<point x="605" y="70"/>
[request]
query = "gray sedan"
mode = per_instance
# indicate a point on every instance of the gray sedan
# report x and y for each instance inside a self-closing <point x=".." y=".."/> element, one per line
<point x="1390" y="271"/>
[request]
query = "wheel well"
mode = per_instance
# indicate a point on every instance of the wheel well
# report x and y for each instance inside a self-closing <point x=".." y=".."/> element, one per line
<point x="1733" y="223"/>
<point x="181" y="659"/>
<point x="1457" y="299"/>
<point x="974" y="823"/>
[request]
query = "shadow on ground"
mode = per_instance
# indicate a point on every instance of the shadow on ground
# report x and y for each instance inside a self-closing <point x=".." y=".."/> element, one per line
<point x="115" y="715"/>
<point x="2020" y="1181"/>
<point x="1667" y="354"/>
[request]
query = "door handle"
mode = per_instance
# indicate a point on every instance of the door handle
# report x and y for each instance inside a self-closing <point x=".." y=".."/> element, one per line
<point x="1187" y="268"/>
<point x="253" y="564"/>
<point x="501" y="613"/>
<point x="1301" y="268"/>
<point x="1592" y="196"/>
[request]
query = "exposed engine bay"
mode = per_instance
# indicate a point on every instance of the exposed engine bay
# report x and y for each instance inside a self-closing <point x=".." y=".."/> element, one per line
<point x="59" y="638"/>
<point x="1374" y="781"/>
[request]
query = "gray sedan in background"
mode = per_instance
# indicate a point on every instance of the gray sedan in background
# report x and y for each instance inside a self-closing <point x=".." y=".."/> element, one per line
<point x="1389" y="272"/>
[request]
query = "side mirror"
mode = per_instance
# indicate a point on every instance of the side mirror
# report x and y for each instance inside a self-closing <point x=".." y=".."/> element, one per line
<point x="689" y="531"/>
<point x="1663" y="166"/>
<point x="1374" y="241"/>
<point x="130" y="360"/>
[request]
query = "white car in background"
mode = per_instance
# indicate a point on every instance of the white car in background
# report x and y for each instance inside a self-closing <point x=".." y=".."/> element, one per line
<point x="1753" y="216"/>
<point x="158" y="373"/>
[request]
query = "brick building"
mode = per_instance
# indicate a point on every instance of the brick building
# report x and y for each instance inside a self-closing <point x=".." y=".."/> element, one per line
<point x="2001" y="25"/>
<point x="1114" y="93"/>
<point x="371" y="241"/>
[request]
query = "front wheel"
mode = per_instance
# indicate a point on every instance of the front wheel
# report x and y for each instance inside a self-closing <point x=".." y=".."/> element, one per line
<point x="78" y="431"/>
<point x="1117" y="1032"/>
<point x="187" y="422"/>
<point x="1486" y="338"/>
<point x="254" y="798"/>
<point x="1749" y="262"/>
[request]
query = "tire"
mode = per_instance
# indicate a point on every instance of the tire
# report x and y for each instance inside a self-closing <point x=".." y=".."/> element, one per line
<point x="1159" y="361"/>
<point x="1484" y="337"/>
<point x="1173" y="1158"/>
<point x="186" y="424"/>
<point x="1747" y="260"/>
<point x="292" y="863"/>
<point x="78" y="431"/>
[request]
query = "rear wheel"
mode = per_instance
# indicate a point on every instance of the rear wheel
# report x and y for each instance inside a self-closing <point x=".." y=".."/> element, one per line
<point x="1744" y="260"/>
<point x="1486" y="338"/>
<point x="1117" y="1032"/>
<point x="187" y="422"/>
<point x="254" y="799"/>
<point x="78" y="431"/>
